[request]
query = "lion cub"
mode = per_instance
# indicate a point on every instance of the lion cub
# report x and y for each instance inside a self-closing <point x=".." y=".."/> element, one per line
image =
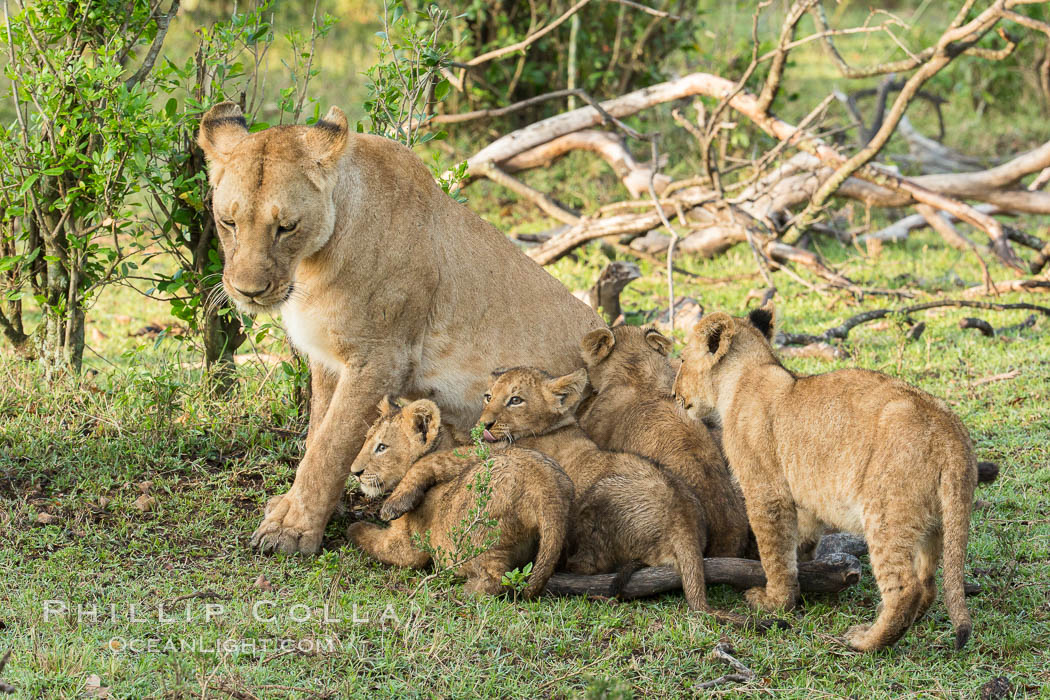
<point x="632" y="410"/>
<point x="854" y="449"/>
<point x="627" y="509"/>
<point x="530" y="499"/>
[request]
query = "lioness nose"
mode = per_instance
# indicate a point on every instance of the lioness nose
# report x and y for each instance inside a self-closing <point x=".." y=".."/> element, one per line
<point x="251" y="294"/>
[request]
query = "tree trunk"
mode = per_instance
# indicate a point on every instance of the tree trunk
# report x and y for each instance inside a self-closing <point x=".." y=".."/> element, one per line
<point x="222" y="335"/>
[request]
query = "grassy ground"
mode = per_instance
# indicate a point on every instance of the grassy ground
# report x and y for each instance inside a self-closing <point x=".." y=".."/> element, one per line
<point x="76" y="457"/>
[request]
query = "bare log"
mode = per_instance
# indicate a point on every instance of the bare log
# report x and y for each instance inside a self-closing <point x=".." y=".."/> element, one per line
<point x="634" y="175"/>
<point x="829" y="575"/>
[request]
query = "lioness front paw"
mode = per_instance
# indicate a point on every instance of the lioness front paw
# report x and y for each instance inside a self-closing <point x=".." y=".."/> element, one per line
<point x="288" y="528"/>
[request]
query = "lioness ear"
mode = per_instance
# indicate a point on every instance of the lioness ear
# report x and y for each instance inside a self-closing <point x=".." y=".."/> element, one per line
<point x="568" y="389"/>
<point x="596" y="346"/>
<point x="222" y="128"/>
<point x="657" y="341"/>
<point x="764" y="319"/>
<point x="716" y="333"/>
<point x="424" y="420"/>
<point x="326" y="140"/>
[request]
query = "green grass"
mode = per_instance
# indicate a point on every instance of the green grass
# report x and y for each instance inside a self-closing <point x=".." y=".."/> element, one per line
<point x="141" y="414"/>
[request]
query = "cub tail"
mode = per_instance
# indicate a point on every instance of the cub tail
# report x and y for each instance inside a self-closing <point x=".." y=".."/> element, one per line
<point x="956" y="492"/>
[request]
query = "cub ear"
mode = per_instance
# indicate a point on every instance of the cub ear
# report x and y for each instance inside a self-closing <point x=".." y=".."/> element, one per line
<point x="764" y="319"/>
<point x="568" y="389"/>
<point x="221" y="129"/>
<point x="326" y="140"/>
<point x="424" y="420"/>
<point x="388" y="406"/>
<point x="716" y="333"/>
<point x="499" y="372"/>
<point x="596" y="346"/>
<point x="657" y="341"/>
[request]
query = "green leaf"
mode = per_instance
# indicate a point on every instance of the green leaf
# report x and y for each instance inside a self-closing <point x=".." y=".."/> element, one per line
<point x="441" y="90"/>
<point x="171" y="107"/>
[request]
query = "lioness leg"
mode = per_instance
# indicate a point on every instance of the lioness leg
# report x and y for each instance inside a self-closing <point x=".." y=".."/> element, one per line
<point x="390" y="545"/>
<point x="295" y="522"/>
<point x="322" y="386"/>
<point x="774" y="522"/>
<point x="893" y="563"/>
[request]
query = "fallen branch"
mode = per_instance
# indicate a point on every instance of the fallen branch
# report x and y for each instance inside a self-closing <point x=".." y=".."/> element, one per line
<point x="724" y="653"/>
<point x="605" y="293"/>
<point x="842" y="330"/>
<point x="829" y="575"/>
<point x="978" y="324"/>
<point x="4" y="687"/>
<point x="1026" y="285"/>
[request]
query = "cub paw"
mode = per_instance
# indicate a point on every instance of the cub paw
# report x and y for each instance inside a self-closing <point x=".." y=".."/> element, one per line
<point x="358" y="531"/>
<point x="759" y="600"/>
<point x="396" y="507"/>
<point x="857" y="637"/>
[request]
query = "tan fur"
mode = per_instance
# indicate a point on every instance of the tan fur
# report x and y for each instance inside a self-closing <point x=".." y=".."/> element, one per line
<point x="633" y="411"/>
<point x="852" y="449"/>
<point x="530" y="499"/>
<point x="385" y="283"/>
<point x="627" y="509"/>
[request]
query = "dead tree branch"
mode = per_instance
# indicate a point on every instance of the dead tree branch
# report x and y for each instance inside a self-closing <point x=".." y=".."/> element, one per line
<point x="842" y="330"/>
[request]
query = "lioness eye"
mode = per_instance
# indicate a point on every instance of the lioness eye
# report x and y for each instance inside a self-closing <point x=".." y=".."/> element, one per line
<point x="229" y="223"/>
<point x="515" y="401"/>
<point x="282" y="230"/>
<point x="487" y="397"/>
<point x="380" y="448"/>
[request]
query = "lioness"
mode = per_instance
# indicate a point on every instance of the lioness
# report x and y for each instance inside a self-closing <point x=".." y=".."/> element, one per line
<point x="382" y="280"/>
<point x="857" y="450"/>
<point x="529" y="498"/>
<point x="632" y="410"/>
<point x="627" y="509"/>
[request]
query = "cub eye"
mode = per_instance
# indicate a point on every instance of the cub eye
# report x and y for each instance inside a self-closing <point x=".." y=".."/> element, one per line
<point x="487" y="397"/>
<point x="380" y="448"/>
<point x="283" y="230"/>
<point x="514" y="401"/>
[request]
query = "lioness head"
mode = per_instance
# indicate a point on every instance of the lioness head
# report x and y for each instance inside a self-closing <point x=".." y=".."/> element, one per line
<point x="395" y="441"/>
<point x="272" y="199"/>
<point x="635" y="355"/>
<point x="720" y="344"/>
<point x="523" y="402"/>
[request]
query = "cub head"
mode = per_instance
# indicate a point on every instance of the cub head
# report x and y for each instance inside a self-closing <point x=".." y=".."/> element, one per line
<point x="399" y="437"/>
<point x="632" y="355"/>
<point x="272" y="199"/>
<point x="720" y="345"/>
<point x="524" y="402"/>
